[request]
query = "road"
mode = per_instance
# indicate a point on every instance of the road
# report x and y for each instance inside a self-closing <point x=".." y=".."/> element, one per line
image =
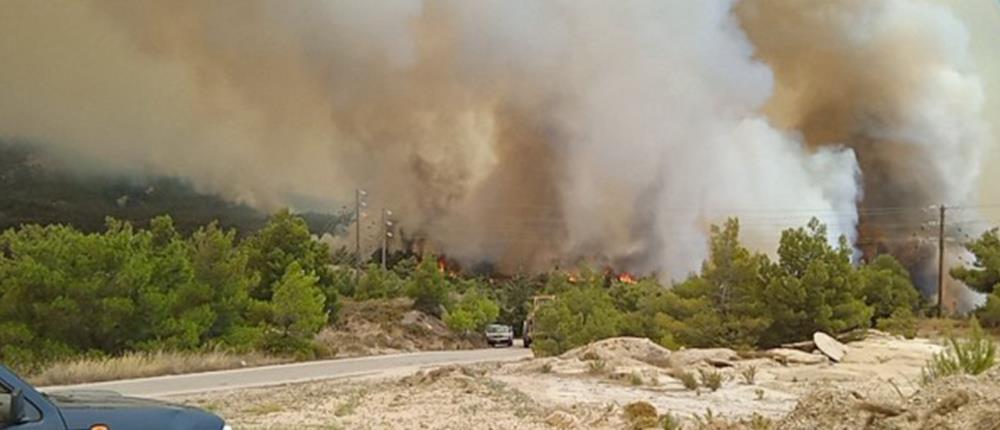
<point x="396" y="364"/>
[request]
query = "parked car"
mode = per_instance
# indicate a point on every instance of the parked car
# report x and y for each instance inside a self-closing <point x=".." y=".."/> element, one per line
<point x="22" y="407"/>
<point x="499" y="334"/>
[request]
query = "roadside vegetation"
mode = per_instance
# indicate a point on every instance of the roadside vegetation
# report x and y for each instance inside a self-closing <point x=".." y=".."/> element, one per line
<point x="739" y="299"/>
<point x="68" y="296"/>
<point x="131" y="296"/>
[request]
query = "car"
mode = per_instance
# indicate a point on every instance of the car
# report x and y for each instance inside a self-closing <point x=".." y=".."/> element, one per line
<point x="22" y="407"/>
<point x="499" y="334"/>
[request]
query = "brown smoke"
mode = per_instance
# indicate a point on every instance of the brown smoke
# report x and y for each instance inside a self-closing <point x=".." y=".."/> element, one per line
<point x="893" y="81"/>
<point x="523" y="133"/>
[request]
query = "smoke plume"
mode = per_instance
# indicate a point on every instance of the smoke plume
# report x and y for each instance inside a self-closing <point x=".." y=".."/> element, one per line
<point x="894" y="81"/>
<point x="523" y="133"/>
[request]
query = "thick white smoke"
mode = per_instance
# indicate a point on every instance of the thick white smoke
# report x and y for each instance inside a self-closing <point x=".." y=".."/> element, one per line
<point x="519" y="132"/>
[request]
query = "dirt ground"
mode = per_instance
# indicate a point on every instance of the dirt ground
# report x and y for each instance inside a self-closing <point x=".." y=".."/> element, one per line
<point x="590" y="388"/>
<point x="387" y="326"/>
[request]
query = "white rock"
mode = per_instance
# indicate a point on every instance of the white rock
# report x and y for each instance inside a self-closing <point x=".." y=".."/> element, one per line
<point x="829" y="346"/>
<point x="794" y="356"/>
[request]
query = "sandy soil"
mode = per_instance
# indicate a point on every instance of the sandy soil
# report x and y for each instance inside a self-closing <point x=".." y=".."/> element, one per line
<point x="588" y="388"/>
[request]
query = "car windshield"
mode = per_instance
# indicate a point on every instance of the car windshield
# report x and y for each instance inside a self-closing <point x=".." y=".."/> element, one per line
<point x="496" y="329"/>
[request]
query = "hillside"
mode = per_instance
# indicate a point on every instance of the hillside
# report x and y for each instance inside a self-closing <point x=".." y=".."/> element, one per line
<point x="36" y="191"/>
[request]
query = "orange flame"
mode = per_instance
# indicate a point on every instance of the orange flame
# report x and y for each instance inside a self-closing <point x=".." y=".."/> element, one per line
<point x="626" y="278"/>
<point x="442" y="265"/>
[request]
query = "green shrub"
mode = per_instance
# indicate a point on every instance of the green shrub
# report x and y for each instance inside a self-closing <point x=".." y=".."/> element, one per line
<point x="472" y="313"/>
<point x="297" y="313"/>
<point x="711" y="379"/>
<point x="428" y="287"/>
<point x="887" y="288"/>
<point x="749" y="374"/>
<point x="989" y="313"/>
<point x="688" y="379"/>
<point x="640" y="415"/>
<point x="580" y="315"/>
<point x="902" y="322"/>
<point x="668" y="422"/>
<point x="597" y="367"/>
<point x="376" y="283"/>
<point x="972" y="355"/>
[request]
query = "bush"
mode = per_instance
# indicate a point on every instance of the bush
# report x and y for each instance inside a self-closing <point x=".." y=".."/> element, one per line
<point x="749" y="374"/>
<point x="972" y="355"/>
<point x="376" y="283"/>
<point x="887" y="288"/>
<point x="640" y="415"/>
<point x="711" y="379"/>
<point x="688" y="380"/>
<point x="597" y="367"/>
<point x="298" y="311"/>
<point x="668" y="422"/>
<point x="428" y="287"/>
<point x="902" y="322"/>
<point x="989" y="313"/>
<point x="472" y="313"/>
<point x="577" y="317"/>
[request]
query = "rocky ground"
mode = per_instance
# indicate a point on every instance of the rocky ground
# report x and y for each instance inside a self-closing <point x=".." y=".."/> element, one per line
<point x="631" y="383"/>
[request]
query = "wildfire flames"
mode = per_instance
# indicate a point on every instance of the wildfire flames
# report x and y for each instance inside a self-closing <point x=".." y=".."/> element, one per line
<point x="626" y="278"/>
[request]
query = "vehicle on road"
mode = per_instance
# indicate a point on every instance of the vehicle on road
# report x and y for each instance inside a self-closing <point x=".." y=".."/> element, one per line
<point x="22" y="407"/>
<point x="499" y="334"/>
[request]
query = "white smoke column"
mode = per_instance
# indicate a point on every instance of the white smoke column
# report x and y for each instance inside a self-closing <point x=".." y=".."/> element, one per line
<point x="519" y="132"/>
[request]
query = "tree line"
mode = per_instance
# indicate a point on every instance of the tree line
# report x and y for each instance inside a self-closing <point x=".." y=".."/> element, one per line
<point x="740" y="298"/>
<point x="66" y="293"/>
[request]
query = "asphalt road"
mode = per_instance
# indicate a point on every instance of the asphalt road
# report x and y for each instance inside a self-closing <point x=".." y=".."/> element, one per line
<point x="163" y="386"/>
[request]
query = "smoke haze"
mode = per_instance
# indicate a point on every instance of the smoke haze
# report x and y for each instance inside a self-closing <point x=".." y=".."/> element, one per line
<point x="519" y="132"/>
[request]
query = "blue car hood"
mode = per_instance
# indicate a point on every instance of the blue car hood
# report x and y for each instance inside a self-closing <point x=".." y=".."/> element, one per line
<point x="82" y="409"/>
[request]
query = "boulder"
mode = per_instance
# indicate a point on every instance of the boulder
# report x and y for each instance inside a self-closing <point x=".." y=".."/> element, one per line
<point x="829" y="346"/>
<point x="794" y="356"/>
<point x="695" y="356"/>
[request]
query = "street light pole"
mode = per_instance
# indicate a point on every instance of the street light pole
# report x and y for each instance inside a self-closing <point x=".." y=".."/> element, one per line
<point x="386" y="234"/>
<point x="359" y="203"/>
<point x="940" y="283"/>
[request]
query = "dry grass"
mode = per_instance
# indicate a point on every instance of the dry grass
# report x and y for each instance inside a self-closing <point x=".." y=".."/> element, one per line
<point x="145" y="364"/>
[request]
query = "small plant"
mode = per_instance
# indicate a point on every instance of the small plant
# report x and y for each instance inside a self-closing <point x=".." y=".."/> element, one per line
<point x="711" y="379"/>
<point x="759" y="393"/>
<point x="706" y="420"/>
<point x="641" y="415"/>
<point x="749" y="374"/>
<point x="547" y="368"/>
<point x="668" y="422"/>
<point x="759" y="422"/>
<point x="590" y="355"/>
<point x="635" y="379"/>
<point x="972" y="355"/>
<point x="688" y="380"/>
<point x="597" y="367"/>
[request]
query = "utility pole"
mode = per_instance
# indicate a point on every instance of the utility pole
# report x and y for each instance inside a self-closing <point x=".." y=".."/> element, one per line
<point x="359" y="203"/>
<point x="386" y="234"/>
<point x="940" y="284"/>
